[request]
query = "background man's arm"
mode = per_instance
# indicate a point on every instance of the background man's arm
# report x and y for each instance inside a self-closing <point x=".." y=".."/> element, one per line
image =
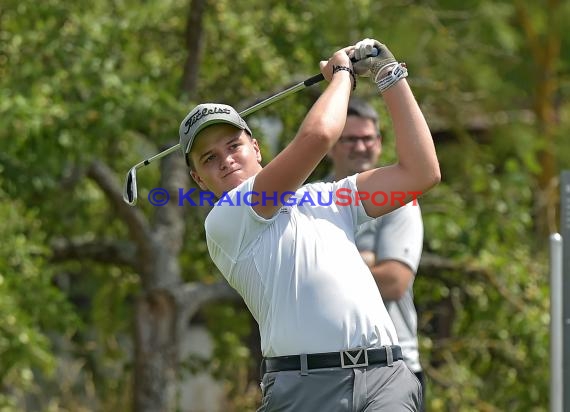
<point x="391" y="247"/>
<point x="392" y="277"/>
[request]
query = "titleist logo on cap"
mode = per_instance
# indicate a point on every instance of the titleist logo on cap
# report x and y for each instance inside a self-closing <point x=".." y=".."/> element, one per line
<point x="203" y="113"/>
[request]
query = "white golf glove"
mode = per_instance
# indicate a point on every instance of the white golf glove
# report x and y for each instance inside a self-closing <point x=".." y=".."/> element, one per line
<point x="371" y="66"/>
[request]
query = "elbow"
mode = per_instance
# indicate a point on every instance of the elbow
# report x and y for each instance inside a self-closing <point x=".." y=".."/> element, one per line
<point x="435" y="175"/>
<point x="321" y="135"/>
<point x="425" y="175"/>
<point x="328" y="139"/>
<point x="326" y="127"/>
<point x="432" y="177"/>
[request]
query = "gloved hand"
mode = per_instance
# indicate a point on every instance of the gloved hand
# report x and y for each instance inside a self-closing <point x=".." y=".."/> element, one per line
<point x="371" y="66"/>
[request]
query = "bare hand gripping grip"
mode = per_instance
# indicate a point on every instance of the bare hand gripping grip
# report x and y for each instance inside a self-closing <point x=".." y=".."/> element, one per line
<point x="319" y="77"/>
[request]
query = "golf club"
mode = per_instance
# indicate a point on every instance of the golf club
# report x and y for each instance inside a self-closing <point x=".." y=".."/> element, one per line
<point x="130" y="192"/>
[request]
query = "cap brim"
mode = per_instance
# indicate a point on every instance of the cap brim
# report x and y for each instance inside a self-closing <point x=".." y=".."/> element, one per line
<point x="206" y="124"/>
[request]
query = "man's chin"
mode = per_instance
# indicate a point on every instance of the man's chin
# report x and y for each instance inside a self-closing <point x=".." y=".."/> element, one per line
<point x="362" y="167"/>
<point x="232" y="181"/>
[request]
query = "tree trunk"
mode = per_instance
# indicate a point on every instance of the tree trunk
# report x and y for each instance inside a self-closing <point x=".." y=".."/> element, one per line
<point x="156" y="345"/>
<point x="194" y="40"/>
<point x="162" y="313"/>
<point x="545" y="54"/>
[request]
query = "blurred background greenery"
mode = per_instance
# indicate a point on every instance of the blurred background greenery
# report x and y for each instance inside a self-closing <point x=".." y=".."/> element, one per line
<point x="96" y="298"/>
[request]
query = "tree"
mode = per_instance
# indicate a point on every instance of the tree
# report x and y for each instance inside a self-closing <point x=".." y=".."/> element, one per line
<point x="88" y="89"/>
<point x="542" y="31"/>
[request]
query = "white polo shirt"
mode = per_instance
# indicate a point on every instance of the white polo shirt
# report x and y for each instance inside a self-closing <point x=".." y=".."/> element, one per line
<point x="300" y="273"/>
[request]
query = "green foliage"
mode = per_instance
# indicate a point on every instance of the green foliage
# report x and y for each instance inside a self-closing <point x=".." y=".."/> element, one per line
<point x="81" y="81"/>
<point x="31" y="305"/>
<point x="230" y="325"/>
<point x="497" y="306"/>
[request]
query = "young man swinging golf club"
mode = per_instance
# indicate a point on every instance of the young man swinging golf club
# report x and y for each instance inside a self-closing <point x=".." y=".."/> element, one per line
<point x="326" y="337"/>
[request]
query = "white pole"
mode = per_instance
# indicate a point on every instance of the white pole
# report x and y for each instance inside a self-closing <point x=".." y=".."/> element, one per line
<point x="556" y="389"/>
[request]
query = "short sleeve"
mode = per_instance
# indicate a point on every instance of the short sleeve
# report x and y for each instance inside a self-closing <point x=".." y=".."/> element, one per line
<point x="397" y="235"/>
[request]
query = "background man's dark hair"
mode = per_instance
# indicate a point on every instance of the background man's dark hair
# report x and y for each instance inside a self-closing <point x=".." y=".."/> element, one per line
<point x="359" y="107"/>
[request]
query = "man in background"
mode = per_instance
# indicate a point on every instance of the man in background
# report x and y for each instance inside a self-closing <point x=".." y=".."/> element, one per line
<point x="391" y="245"/>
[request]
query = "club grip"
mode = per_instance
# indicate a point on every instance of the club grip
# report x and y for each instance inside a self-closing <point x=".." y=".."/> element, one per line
<point x="375" y="52"/>
<point x="319" y="77"/>
<point x="313" y="80"/>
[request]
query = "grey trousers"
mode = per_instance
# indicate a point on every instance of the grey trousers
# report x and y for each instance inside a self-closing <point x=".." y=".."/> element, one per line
<point x="374" y="388"/>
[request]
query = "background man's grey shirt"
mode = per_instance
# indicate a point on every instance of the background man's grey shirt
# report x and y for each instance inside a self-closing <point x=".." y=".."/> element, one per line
<point x="398" y="236"/>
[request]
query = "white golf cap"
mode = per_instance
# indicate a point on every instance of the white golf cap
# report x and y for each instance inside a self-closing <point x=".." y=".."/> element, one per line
<point x="204" y="115"/>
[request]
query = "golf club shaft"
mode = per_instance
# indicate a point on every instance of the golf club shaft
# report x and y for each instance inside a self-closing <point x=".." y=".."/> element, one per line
<point x="158" y="155"/>
<point x="264" y="103"/>
<point x="130" y="188"/>
<point x="276" y="97"/>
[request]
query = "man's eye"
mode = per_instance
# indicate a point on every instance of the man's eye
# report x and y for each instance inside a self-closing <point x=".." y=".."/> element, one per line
<point x="209" y="158"/>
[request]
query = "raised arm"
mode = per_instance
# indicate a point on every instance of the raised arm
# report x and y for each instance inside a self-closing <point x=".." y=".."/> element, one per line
<point x="417" y="169"/>
<point x="319" y="131"/>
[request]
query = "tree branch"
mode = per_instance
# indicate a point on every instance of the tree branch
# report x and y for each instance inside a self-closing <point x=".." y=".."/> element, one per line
<point x="100" y="250"/>
<point x="531" y="34"/>
<point x="431" y="263"/>
<point x="139" y="229"/>
<point x="192" y="296"/>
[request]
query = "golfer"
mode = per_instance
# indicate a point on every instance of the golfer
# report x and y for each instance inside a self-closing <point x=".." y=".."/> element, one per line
<point x="326" y="337"/>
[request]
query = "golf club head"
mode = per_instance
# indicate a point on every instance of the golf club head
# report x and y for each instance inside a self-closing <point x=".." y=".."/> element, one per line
<point x="130" y="189"/>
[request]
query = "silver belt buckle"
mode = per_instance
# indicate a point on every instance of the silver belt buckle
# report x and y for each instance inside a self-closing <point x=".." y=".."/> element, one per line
<point x="353" y="358"/>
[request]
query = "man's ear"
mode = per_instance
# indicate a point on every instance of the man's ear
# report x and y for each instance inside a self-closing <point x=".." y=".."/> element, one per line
<point x="257" y="150"/>
<point x="198" y="180"/>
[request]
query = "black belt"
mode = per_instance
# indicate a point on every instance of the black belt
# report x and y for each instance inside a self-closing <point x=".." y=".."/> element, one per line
<point x="352" y="358"/>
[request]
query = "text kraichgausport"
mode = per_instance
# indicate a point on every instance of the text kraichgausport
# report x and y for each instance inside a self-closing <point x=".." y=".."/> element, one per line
<point x="339" y="197"/>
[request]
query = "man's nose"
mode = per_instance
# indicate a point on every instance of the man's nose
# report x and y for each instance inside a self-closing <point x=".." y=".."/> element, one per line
<point x="226" y="161"/>
<point x="359" y="146"/>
